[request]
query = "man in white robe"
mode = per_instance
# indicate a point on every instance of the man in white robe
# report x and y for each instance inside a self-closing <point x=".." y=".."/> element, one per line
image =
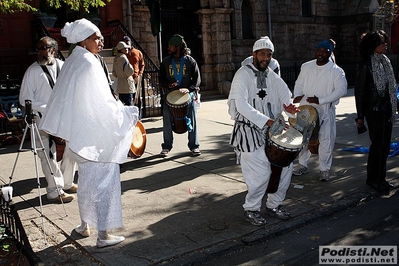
<point x="98" y="129"/>
<point x="321" y="83"/>
<point x="37" y="86"/>
<point x="257" y="95"/>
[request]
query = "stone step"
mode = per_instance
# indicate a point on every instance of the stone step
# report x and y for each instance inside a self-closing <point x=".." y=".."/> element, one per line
<point x="104" y="53"/>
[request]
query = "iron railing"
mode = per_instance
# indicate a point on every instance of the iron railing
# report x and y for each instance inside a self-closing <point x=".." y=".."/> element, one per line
<point x="10" y="219"/>
<point x="151" y="91"/>
<point x="289" y="74"/>
<point x="39" y="31"/>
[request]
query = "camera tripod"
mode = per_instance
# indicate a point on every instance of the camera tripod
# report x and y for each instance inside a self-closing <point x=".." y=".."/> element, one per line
<point x="35" y="139"/>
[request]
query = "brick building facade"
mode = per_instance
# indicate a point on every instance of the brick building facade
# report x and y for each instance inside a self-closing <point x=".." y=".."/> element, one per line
<point x="220" y="33"/>
<point x="229" y="29"/>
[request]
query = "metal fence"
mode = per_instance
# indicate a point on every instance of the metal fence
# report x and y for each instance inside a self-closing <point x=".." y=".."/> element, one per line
<point x="150" y="89"/>
<point x="151" y="92"/>
<point x="10" y="219"/>
<point x="290" y="73"/>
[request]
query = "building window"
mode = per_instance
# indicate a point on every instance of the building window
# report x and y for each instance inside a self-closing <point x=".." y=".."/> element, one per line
<point x="306" y="8"/>
<point x="247" y="21"/>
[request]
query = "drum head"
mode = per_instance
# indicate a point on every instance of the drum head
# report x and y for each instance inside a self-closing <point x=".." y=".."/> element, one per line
<point x="290" y="139"/>
<point x="177" y="98"/>
<point x="312" y="111"/>
<point x="139" y="141"/>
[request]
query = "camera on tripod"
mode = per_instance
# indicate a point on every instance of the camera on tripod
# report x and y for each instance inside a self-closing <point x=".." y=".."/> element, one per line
<point x="28" y="112"/>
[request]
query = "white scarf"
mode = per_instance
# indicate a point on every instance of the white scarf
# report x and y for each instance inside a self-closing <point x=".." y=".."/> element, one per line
<point x="384" y="79"/>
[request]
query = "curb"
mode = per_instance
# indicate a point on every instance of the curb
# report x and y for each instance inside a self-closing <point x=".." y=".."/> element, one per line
<point x="199" y="256"/>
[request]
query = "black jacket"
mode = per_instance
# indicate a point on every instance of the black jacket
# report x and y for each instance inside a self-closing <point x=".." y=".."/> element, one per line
<point x="366" y="95"/>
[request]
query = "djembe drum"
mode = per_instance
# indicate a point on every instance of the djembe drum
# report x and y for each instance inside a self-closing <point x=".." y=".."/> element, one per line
<point x="282" y="147"/>
<point x="59" y="146"/>
<point x="178" y="105"/>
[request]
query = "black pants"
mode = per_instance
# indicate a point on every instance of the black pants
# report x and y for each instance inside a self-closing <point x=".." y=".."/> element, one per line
<point x="380" y="132"/>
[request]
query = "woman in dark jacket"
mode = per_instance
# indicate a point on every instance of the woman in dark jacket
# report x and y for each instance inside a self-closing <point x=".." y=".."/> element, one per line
<point x="375" y="94"/>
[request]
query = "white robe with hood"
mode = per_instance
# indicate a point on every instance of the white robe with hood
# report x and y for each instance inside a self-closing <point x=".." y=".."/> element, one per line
<point x="99" y="132"/>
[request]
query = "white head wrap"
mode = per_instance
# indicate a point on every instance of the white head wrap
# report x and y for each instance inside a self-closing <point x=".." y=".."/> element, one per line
<point x="263" y="43"/>
<point x="78" y="30"/>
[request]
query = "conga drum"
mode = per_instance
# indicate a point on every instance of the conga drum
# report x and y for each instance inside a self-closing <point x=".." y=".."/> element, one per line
<point x="178" y="105"/>
<point x="313" y="144"/>
<point x="139" y="141"/>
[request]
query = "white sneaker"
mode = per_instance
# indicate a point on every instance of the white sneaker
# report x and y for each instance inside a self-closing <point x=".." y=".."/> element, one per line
<point x="196" y="152"/>
<point x="165" y="152"/>
<point x="300" y="170"/>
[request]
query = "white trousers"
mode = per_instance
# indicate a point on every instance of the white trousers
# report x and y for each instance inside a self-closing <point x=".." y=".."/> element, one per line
<point x="256" y="172"/>
<point x="63" y="173"/>
<point x="327" y="134"/>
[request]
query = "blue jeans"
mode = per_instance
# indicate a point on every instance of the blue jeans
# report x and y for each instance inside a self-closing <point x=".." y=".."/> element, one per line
<point x="168" y="122"/>
<point x="126" y="98"/>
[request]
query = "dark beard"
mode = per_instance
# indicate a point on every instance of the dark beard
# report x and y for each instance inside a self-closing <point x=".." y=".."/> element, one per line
<point x="257" y="65"/>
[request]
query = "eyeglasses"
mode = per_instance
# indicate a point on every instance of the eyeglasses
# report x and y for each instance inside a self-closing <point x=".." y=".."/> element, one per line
<point x="43" y="48"/>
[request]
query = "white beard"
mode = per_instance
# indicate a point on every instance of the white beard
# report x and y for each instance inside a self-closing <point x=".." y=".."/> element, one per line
<point x="46" y="61"/>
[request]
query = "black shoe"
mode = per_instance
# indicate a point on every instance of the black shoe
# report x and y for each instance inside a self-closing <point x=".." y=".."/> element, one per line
<point x="376" y="185"/>
<point x="279" y="212"/>
<point x="385" y="184"/>
<point x="254" y="217"/>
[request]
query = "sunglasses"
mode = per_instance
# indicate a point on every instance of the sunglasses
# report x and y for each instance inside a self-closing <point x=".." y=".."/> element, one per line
<point x="43" y="48"/>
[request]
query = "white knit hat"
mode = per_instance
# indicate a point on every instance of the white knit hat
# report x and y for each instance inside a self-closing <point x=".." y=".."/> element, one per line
<point x="78" y="30"/>
<point x="263" y="43"/>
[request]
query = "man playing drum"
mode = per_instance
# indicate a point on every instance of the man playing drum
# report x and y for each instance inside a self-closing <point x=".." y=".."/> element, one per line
<point x="179" y="71"/>
<point x="257" y="95"/>
<point x="321" y="83"/>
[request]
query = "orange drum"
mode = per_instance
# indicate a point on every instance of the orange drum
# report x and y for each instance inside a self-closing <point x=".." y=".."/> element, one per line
<point x="313" y="144"/>
<point x="139" y="141"/>
<point x="178" y="105"/>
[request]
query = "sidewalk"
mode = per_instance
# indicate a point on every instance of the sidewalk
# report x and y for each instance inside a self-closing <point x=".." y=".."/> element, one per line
<point x="164" y="222"/>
